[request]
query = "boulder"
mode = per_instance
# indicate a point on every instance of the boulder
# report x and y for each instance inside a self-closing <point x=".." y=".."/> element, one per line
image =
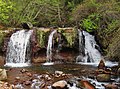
<point x="101" y="65"/>
<point x="62" y="84"/>
<point x="118" y="71"/>
<point x="39" y="60"/>
<point x="58" y="72"/>
<point x="27" y="25"/>
<point x="111" y="86"/>
<point x="103" y="77"/>
<point x="84" y="84"/>
<point x="3" y="74"/>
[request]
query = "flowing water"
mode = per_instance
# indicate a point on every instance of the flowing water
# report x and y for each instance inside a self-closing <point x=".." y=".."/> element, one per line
<point x="89" y="47"/>
<point x="91" y="52"/>
<point x="81" y="43"/>
<point x="18" y="56"/>
<point x="18" y="50"/>
<point x="49" y="47"/>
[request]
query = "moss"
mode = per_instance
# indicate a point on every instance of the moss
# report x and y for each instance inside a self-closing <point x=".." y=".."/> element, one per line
<point x="70" y="35"/>
<point x="42" y="36"/>
<point x="2" y="35"/>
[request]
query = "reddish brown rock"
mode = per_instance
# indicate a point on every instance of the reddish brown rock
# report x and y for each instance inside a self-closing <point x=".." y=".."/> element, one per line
<point x="29" y="74"/>
<point x="86" y="85"/>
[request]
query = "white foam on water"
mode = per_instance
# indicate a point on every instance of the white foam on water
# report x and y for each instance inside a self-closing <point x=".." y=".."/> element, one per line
<point x="48" y="63"/>
<point x="73" y="87"/>
<point x="98" y="85"/>
<point x="17" y="64"/>
<point x="107" y="63"/>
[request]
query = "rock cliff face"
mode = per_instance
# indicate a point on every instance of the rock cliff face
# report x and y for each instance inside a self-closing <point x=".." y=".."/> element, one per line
<point x="67" y="38"/>
<point x="63" y="40"/>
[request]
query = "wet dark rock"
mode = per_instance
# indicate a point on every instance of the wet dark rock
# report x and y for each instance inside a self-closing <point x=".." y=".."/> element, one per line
<point x="27" y="25"/>
<point x="118" y="71"/>
<point x="103" y="77"/>
<point x="73" y="81"/>
<point x="80" y="58"/>
<point x="99" y="71"/>
<point x="101" y="65"/>
<point x="111" y="86"/>
<point x="60" y="85"/>
<point x="91" y="76"/>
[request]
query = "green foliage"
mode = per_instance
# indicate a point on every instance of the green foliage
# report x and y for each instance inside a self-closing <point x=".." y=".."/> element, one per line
<point x="42" y="36"/>
<point x="6" y="8"/>
<point x="38" y="12"/>
<point x="90" y="24"/>
<point x="2" y="35"/>
<point x="70" y="35"/>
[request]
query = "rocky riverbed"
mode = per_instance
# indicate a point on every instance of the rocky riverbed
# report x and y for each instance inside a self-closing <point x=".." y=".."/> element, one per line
<point x="61" y="76"/>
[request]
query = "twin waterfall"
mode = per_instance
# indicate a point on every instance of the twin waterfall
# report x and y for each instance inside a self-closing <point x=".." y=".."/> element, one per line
<point x="18" y="51"/>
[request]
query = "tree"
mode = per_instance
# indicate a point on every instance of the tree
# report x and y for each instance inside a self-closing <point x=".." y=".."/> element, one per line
<point x="6" y="7"/>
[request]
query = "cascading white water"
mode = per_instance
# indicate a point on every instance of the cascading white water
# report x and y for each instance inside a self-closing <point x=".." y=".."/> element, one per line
<point x="81" y="45"/>
<point x="91" y="53"/>
<point x="17" y="48"/>
<point x="49" y="46"/>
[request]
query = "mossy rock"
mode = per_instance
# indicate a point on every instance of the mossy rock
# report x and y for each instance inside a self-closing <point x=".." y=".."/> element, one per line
<point x="3" y="33"/>
<point x="42" y="36"/>
<point x="70" y="35"/>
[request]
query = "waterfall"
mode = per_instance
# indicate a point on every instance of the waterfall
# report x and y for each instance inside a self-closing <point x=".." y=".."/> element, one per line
<point x="49" y="46"/>
<point x="81" y="43"/>
<point x="18" y="49"/>
<point x="92" y="55"/>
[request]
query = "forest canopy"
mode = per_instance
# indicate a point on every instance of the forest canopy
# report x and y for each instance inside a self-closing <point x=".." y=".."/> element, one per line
<point x="86" y="14"/>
